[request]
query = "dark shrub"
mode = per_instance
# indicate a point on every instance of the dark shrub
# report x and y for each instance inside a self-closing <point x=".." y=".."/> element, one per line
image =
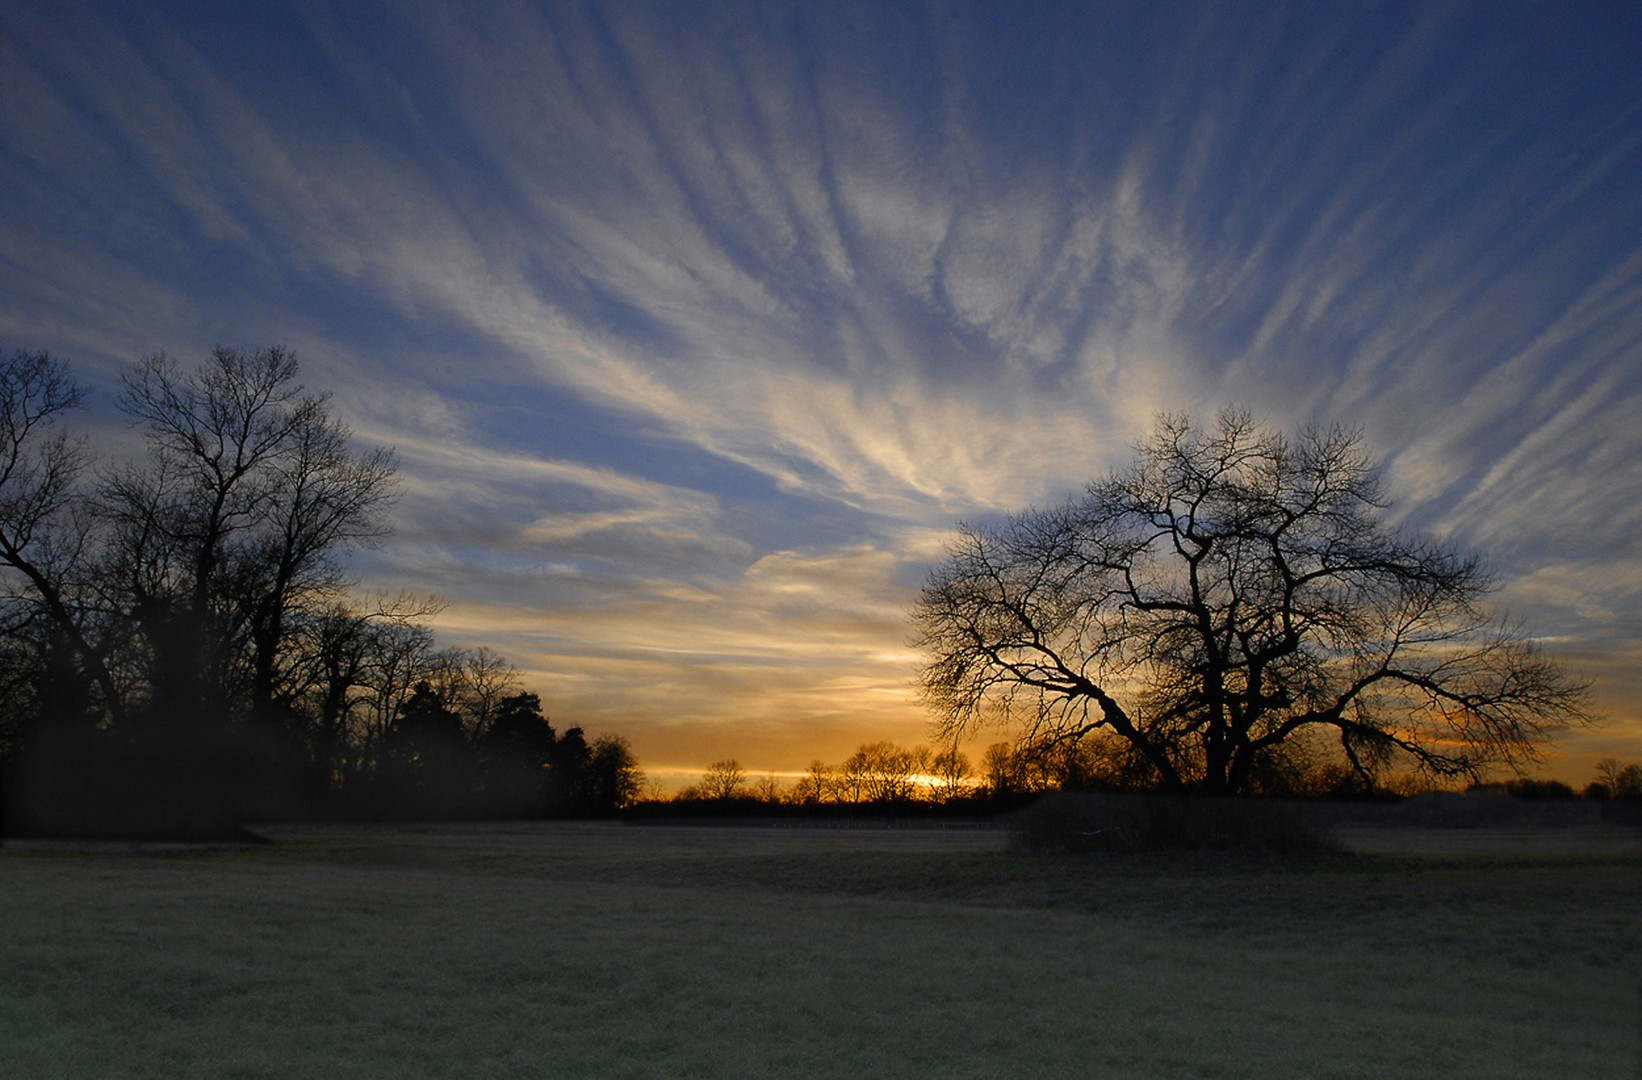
<point x="1538" y="789"/>
<point x="166" y="785"/>
<point x="1069" y="821"/>
<point x="1476" y="808"/>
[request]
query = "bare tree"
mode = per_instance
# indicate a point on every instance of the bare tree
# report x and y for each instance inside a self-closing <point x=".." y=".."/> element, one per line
<point x="723" y="780"/>
<point x="401" y="656"/>
<point x="1000" y="777"/>
<point x="767" y="790"/>
<point x="1228" y="590"/>
<point x="250" y="494"/>
<point x="1620" y="781"/>
<point x="951" y="771"/>
<point x="336" y="666"/>
<point x="324" y="499"/>
<point x="885" y="772"/>
<point x="39" y="463"/>
<point x="816" y="786"/>
<point x="486" y="680"/>
<point x="613" y="780"/>
<point x="212" y="436"/>
<point x="852" y="780"/>
<point x="43" y="534"/>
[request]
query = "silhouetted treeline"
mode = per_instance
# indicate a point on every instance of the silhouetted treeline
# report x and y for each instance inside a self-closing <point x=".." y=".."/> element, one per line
<point x="180" y="649"/>
<point x="435" y="761"/>
<point x="884" y="777"/>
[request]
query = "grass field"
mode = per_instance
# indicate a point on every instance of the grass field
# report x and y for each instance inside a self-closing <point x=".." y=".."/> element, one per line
<point x="582" y="950"/>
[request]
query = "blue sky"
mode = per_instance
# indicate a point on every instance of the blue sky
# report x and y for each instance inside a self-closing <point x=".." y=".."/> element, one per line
<point x="696" y="328"/>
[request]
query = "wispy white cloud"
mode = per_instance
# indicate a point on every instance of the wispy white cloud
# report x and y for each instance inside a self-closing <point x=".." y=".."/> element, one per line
<point x="805" y="245"/>
<point x="688" y="668"/>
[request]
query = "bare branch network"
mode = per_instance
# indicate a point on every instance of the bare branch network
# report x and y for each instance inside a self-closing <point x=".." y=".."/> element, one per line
<point x="1223" y="603"/>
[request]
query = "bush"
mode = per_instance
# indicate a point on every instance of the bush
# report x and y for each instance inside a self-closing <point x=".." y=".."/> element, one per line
<point x="1524" y="788"/>
<point x="95" y="785"/>
<point x="1068" y="821"/>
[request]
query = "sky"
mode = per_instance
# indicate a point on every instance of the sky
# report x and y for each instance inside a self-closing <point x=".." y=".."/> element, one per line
<point x="697" y="328"/>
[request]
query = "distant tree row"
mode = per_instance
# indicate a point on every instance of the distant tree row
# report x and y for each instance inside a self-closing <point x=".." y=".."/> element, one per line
<point x="882" y="773"/>
<point x="886" y="775"/>
<point x="1613" y="781"/>
<point x="180" y="647"/>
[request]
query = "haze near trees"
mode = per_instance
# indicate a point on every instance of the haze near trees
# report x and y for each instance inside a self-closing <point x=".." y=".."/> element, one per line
<point x="1229" y="607"/>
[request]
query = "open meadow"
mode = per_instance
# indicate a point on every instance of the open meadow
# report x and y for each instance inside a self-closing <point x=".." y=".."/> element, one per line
<point x="609" y="950"/>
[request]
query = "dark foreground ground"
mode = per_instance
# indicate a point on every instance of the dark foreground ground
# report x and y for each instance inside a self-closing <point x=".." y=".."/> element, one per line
<point x="672" y="951"/>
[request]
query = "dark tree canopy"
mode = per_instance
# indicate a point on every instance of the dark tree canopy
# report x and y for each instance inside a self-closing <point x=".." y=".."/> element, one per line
<point x="518" y="747"/>
<point x="1232" y="597"/>
<point x="180" y="645"/>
